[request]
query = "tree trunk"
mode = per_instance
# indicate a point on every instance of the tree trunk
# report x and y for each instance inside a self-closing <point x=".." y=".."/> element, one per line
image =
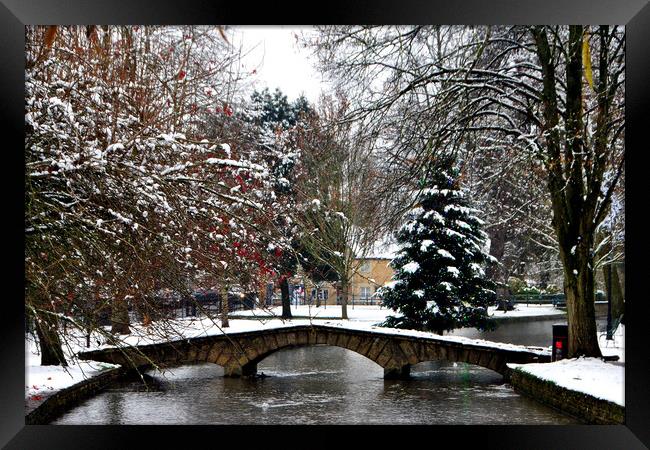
<point x="497" y="272"/>
<point x="224" y="306"/>
<point x="262" y="295"/>
<point x="344" y="300"/>
<point x="616" y="294"/>
<point x="48" y="338"/>
<point x="620" y="276"/>
<point x="574" y="205"/>
<point x="286" y="301"/>
<point x="120" y="316"/>
<point x="580" y="297"/>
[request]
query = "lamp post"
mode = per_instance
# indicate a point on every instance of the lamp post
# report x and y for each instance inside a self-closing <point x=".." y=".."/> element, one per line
<point x="609" y="286"/>
<point x="609" y="302"/>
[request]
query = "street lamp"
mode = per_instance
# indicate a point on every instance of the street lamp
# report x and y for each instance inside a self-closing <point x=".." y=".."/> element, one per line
<point x="609" y="288"/>
<point x="609" y="303"/>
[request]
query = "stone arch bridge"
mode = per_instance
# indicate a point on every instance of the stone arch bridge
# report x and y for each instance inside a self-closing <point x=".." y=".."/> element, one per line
<point x="240" y="352"/>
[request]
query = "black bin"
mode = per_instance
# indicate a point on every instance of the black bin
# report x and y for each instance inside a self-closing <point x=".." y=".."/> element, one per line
<point x="560" y="348"/>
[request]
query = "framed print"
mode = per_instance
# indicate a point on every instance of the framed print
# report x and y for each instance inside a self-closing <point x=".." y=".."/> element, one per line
<point x="258" y="219"/>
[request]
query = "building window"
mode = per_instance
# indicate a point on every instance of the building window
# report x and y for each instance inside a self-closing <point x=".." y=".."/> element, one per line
<point x="326" y="294"/>
<point x="365" y="267"/>
<point x="365" y="292"/>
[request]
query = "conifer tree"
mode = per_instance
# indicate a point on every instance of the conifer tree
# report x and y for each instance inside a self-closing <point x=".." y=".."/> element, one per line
<point x="278" y="119"/>
<point x="440" y="281"/>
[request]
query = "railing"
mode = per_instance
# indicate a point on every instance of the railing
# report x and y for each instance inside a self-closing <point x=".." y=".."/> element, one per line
<point x="193" y="307"/>
<point x="364" y="300"/>
<point x="557" y="300"/>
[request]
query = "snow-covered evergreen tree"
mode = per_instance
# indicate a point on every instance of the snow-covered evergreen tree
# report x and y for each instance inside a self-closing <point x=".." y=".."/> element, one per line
<point x="439" y="281"/>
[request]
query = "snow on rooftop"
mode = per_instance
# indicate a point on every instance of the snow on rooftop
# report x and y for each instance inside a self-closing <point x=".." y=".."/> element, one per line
<point x="384" y="248"/>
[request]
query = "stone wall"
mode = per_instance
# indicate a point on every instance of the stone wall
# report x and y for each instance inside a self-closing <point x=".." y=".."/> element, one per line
<point x="584" y="407"/>
<point x="61" y="401"/>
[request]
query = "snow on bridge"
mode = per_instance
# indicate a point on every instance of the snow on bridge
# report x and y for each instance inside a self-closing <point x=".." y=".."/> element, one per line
<point x="240" y="350"/>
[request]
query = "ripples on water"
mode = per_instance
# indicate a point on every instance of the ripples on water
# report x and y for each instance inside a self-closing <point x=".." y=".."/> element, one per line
<point x="316" y="385"/>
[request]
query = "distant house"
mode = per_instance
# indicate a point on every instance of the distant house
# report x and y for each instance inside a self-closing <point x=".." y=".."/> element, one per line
<point x="373" y="271"/>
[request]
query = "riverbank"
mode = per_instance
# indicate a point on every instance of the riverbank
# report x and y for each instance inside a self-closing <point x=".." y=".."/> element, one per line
<point x="42" y="409"/>
<point x="590" y="389"/>
<point x="50" y="389"/>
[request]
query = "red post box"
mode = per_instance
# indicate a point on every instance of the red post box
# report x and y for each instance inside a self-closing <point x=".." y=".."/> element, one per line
<point x="560" y="348"/>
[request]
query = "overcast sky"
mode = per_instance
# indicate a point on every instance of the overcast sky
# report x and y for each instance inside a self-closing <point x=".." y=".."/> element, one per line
<point x="279" y="61"/>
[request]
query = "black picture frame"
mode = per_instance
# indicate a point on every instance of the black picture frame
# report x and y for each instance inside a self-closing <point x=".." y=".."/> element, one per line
<point x="14" y="14"/>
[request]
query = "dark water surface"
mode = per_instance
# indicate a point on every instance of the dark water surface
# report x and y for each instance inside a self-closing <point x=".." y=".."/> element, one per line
<point x="327" y="385"/>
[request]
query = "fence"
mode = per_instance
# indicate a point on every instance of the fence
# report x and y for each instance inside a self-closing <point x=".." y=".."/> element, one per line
<point x="164" y="308"/>
<point x="310" y="301"/>
<point x="557" y="300"/>
<point x="211" y="303"/>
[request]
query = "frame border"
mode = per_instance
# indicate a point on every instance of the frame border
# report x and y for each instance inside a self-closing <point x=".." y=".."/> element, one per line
<point x="635" y="14"/>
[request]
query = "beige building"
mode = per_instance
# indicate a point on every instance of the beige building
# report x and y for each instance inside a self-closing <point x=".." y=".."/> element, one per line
<point x="372" y="272"/>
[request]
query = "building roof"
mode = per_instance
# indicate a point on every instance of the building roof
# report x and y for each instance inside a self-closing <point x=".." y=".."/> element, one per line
<point x="384" y="248"/>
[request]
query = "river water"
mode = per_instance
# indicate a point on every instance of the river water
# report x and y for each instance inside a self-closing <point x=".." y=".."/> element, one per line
<point x="326" y="385"/>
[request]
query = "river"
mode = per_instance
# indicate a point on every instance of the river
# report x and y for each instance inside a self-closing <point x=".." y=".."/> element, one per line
<point x="327" y="385"/>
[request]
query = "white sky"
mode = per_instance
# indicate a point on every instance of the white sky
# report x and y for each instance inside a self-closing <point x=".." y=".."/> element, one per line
<point x="279" y="61"/>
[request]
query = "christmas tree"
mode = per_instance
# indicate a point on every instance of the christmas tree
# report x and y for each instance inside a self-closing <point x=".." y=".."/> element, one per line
<point x="439" y="281"/>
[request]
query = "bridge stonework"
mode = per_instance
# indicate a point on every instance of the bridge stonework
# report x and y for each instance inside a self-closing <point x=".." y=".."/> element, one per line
<point x="239" y="353"/>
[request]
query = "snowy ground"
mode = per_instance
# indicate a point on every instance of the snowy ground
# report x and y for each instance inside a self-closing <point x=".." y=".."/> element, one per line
<point x="523" y="310"/>
<point x="591" y="376"/>
<point x="42" y="381"/>
<point x="377" y="314"/>
<point x="360" y="313"/>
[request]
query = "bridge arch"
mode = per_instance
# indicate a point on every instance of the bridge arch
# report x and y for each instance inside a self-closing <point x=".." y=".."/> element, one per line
<point x="394" y="355"/>
<point x="244" y="354"/>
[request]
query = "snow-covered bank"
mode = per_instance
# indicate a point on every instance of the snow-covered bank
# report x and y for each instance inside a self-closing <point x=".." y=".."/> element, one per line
<point x="523" y="310"/>
<point x="591" y="376"/>
<point x="362" y="313"/>
<point x="43" y="381"/>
